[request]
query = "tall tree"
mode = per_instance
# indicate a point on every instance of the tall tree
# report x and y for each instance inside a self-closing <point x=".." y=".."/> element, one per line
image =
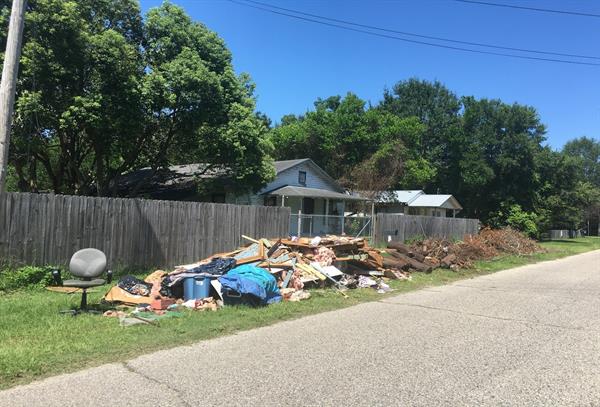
<point x="438" y="109"/>
<point x="342" y="134"/>
<point x="498" y="164"/>
<point x="588" y="150"/>
<point x="104" y="92"/>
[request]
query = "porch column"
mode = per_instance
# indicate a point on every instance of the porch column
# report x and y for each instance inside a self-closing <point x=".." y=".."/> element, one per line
<point x="373" y="220"/>
<point x="343" y="218"/>
<point x="454" y="213"/>
<point x="282" y="201"/>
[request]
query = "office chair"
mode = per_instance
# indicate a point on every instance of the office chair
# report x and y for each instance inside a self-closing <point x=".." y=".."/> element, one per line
<point x="87" y="265"/>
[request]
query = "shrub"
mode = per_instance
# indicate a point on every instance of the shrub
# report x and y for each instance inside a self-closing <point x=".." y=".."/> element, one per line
<point x="516" y="218"/>
<point x="25" y="277"/>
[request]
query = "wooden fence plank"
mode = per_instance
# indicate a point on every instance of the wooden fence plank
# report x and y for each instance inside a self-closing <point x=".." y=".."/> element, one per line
<point x="392" y="227"/>
<point x="48" y="229"/>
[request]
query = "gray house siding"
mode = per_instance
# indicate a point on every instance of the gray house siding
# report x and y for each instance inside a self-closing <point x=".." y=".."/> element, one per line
<point x="290" y="177"/>
<point x="314" y="179"/>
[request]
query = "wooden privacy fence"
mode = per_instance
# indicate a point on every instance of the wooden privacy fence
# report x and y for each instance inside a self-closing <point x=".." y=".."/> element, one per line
<point x="48" y="229"/>
<point x="391" y="227"/>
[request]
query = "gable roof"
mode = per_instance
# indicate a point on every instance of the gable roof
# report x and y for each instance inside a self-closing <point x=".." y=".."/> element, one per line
<point x="281" y="166"/>
<point x="285" y="165"/>
<point x="175" y="176"/>
<point x="435" y="201"/>
<point x="407" y="196"/>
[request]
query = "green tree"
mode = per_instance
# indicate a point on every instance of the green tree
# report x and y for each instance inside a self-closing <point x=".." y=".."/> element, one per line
<point x="497" y="156"/>
<point x="588" y="150"/>
<point x="342" y="134"/>
<point x="438" y="109"/>
<point x="103" y="91"/>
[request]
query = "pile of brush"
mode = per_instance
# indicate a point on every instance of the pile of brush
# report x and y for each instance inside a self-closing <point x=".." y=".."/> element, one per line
<point x="429" y="254"/>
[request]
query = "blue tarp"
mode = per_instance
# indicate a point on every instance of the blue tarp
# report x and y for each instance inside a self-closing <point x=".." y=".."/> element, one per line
<point x="248" y="279"/>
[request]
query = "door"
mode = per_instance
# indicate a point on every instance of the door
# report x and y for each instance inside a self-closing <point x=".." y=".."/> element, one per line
<point x="308" y="208"/>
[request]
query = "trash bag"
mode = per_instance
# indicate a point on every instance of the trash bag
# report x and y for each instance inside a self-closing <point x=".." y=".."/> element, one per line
<point x="135" y="286"/>
<point x="217" y="266"/>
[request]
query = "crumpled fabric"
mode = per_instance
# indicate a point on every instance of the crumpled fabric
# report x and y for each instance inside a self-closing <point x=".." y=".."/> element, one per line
<point x="135" y="286"/>
<point x="252" y="280"/>
<point x="216" y="267"/>
<point x="365" y="282"/>
<point x="382" y="287"/>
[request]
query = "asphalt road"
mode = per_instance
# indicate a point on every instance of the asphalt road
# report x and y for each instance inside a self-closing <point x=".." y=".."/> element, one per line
<point x="529" y="336"/>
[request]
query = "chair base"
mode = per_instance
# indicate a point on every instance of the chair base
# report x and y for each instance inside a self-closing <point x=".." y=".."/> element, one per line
<point x="83" y="307"/>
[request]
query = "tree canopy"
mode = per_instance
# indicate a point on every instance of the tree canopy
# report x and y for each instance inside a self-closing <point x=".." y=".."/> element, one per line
<point x="103" y="91"/>
<point x="489" y="154"/>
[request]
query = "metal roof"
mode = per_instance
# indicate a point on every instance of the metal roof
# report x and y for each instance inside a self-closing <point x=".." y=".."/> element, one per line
<point x="403" y="196"/>
<point x="313" y="193"/>
<point x="435" y="201"/>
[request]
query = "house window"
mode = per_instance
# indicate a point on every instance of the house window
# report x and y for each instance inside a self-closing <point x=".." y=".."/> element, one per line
<point x="302" y="178"/>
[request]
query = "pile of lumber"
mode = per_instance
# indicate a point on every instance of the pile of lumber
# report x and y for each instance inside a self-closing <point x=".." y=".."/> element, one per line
<point x="352" y="256"/>
<point x="403" y="257"/>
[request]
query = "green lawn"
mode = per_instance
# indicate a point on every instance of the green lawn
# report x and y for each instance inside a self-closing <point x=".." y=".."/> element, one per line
<point x="36" y="341"/>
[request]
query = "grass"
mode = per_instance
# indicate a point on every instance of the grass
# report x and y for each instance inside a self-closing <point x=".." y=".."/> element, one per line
<point x="36" y="341"/>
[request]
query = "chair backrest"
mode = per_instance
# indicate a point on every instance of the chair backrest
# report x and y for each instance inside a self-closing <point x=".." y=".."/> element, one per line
<point x="87" y="263"/>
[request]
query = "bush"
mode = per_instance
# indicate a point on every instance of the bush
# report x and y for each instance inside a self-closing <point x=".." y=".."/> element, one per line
<point x="516" y="218"/>
<point x="25" y="277"/>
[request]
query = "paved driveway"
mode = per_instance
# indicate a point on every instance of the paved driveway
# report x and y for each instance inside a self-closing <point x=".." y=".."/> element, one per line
<point x="526" y="336"/>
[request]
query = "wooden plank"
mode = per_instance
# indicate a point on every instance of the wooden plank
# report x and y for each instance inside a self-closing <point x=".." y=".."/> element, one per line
<point x="48" y="229"/>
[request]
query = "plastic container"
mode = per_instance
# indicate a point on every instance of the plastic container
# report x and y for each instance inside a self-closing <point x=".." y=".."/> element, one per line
<point x="232" y="297"/>
<point x="196" y="288"/>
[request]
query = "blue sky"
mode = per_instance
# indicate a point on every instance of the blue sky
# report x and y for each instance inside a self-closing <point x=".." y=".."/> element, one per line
<point x="294" y="62"/>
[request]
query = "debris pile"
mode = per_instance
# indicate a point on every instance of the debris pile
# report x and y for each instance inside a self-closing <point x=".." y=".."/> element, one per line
<point x="433" y="253"/>
<point x="262" y="272"/>
<point x="266" y="271"/>
<point x="509" y="241"/>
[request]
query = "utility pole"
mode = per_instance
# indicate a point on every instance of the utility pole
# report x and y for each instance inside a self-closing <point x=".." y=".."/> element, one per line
<point x="9" y="82"/>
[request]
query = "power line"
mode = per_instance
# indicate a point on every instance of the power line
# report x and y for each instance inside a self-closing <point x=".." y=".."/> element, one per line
<point x="413" y="41"/>
<point x="545" y="10"/>
<point x="479" y="44"/>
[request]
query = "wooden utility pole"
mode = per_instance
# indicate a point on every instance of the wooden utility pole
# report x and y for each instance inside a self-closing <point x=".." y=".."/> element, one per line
<point x="9" y="82"/>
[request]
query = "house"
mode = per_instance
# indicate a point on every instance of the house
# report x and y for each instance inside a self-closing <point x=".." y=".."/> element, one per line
<point x="316" y="200"/>
<point x="417" y="202"/>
